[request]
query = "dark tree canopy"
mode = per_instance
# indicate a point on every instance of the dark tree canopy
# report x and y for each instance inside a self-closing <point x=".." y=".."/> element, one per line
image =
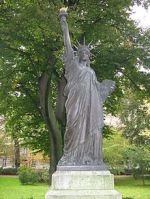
<point x="31" y="49"/>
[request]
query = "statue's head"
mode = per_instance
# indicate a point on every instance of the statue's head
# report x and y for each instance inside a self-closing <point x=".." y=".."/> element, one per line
<point x="84" y="53"/>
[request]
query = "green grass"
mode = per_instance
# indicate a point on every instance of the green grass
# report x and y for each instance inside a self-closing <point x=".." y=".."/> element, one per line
<point x="131" y="188"/>
<point x="10" y="188"/>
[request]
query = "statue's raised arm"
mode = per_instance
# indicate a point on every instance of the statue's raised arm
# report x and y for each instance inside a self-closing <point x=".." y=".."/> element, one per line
<point x="64" y="26"/>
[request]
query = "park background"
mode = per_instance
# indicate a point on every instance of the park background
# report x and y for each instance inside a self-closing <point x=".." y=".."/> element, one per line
<point x="31" y="78"/>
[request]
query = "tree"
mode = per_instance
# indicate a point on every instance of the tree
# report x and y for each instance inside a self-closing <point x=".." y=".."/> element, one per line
<point x="34" y="45"/>
<point x="135" y="116"/>
<point x="114" y="149"/>
<point x="139" y="159"/>
<point x="6" y="148"/>
<point x="31" y="48"/>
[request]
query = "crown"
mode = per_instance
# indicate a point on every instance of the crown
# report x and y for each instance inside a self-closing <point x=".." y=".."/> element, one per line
<point x="83" y="46"/>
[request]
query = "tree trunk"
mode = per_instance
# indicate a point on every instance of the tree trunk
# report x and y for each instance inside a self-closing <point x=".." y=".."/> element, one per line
<point x="55" y="138"/>
<point x="17" y="153"/>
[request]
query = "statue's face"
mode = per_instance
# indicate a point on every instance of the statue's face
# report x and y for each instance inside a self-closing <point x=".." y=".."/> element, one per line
<point x="84" y="55"/>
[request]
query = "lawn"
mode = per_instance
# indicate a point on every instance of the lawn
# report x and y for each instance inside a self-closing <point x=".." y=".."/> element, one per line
<point x="10" y="188"/>
<point x="132" y="189"/>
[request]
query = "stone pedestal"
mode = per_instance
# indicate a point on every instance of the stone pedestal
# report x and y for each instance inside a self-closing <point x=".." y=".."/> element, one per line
<point x="82" y="185"/>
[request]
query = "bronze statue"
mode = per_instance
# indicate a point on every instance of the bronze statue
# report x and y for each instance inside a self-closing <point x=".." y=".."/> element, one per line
<point x="84" y="107"/>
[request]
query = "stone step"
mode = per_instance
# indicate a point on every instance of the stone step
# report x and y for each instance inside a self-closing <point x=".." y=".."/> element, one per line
<point x="83" y="194"/>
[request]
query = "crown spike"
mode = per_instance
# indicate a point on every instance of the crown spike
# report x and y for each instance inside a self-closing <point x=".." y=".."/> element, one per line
<point x="83" y="46"/>
<point x="90" y="43"/>
<point x="92" y="55"/>
<point x="75" y="46"/>
<point x="78" y="43"/>
<point x="84" y="41"/>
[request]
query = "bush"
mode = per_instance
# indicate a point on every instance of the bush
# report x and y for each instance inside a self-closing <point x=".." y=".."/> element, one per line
<point x="139" y="158"/>
<point x="27" y="175"/>
<point x="1" y="170"/>
<point x="128" y="198"/>
<point x="117" y="170"/>
<point x="8" y="171"/>
<point x="43" y="175"/>
<point x="28" y="198"/>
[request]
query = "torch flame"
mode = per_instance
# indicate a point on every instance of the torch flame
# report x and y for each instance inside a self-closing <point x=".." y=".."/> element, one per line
<point x="64" y="9"/>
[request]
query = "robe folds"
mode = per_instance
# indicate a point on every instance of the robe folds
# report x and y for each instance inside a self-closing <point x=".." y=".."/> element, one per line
<point x="84" y="112"/>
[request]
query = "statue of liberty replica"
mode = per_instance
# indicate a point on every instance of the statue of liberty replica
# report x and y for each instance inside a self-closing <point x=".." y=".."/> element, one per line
<point x="81" y="172"/>
<point x="84" y="107"/>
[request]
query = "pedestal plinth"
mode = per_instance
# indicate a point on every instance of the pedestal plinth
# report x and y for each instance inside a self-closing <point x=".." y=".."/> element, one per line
<point x="82" y="185"/>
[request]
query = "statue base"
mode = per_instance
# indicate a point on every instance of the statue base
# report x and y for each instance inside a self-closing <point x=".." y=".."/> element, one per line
<point x="82" y="185"/>
<point x="101" y="167"/>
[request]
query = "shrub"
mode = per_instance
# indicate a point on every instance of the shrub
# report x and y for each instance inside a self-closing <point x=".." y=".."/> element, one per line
<point x="28" y="198"/>
<point x="8" y="171"/>
<point x="139" y="158"/>
<point x="128" y="198"/>
<point x="117" y="170"/>
<point x="43" y="175"/>
<point x="27" y="175"/>
<point x="1" y="170"/>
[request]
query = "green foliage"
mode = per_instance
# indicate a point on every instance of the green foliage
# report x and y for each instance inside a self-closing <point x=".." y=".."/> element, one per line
<point x="26" y="52"/>
<point x="30" y="198"/>
<point x="31" y="46"/>
<point x="8" y="171"/>
<point x="135" y="115"/>
<point x="113" y="149"/>
<point x="139" y="159"/>
<point x="32" y="176"/>
<point x="27" y="175"/>
<point x="1" y="170"/>
<point x="43" y="175"/>
<point x="6" y="147"/>
<point x="128" y="198"/>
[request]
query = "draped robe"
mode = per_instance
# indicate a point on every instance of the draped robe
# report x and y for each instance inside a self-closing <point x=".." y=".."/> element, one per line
<point x="84" y="111"/>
